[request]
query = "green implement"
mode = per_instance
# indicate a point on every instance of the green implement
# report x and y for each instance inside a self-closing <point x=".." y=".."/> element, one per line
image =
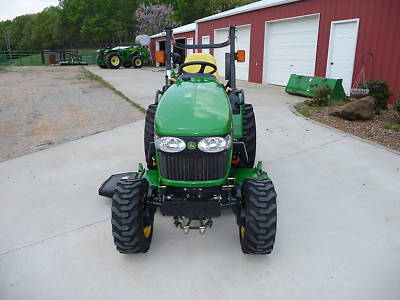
<point x="306" y="85"/>
<point x="70" y="58"/>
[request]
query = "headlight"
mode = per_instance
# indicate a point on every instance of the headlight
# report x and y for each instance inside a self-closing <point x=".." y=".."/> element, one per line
<point x="169" y="144"/>
<point x="215" y="144"/>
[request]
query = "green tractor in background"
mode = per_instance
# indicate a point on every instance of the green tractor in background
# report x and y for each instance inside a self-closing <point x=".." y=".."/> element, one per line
<point x="127" y="56"/>
<point x="200" y="148"/>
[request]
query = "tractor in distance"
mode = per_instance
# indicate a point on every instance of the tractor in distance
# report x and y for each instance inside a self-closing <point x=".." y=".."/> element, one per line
<point x="127" y="56"/>
<point x="200" y="148"/>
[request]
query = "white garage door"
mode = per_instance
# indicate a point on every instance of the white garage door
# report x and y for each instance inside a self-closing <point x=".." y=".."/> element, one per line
<point x="242" y="43"/>
<point x="189" y="41"/>
<point x="205" y="40"/>
<point x="290" y="48"/>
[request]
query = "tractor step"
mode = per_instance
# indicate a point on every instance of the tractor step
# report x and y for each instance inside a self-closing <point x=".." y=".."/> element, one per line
<point x="108" y="186"/>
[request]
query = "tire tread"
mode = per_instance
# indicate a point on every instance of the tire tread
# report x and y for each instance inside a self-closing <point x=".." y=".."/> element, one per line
<point x="249" y="135"/>
<point x="149" y="134"/>
<point x="260" y="217"/>
<point x="127" y="217"/>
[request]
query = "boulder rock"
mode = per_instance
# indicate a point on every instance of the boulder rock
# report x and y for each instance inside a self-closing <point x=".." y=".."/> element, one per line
<point x="361" y="109"/>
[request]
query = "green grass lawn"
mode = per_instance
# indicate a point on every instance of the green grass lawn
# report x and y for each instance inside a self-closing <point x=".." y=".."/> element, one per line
<point x="87" y="52"/>
<point x="88" y="55"/>
<point x="31" y="60"/>
<point x="28" y="59"/>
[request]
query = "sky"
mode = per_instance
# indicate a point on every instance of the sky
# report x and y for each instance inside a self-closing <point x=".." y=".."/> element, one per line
<point x="10" y="9"/>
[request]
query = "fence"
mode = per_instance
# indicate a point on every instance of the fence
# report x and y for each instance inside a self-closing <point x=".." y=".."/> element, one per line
<point x="21" y="58"/>
<point x="40" y="57"/>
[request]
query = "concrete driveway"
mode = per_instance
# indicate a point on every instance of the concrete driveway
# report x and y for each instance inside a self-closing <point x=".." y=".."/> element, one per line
<point x="139" y="85"/>
<point x="338" y="224"/>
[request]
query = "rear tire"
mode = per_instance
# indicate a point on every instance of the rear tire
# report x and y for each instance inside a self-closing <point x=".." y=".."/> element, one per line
<point x="137" y="62"/>
<point x="149" y="136"/>
<point x="131" y="229"/>
<point x="113" y="60"/>
<point x="257" y="234"/>
<point x="249" y="136"/>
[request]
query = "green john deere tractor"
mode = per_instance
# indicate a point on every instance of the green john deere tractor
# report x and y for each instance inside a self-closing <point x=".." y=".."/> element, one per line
<point x="200" y="148"/>
<point x="127" y="56"/>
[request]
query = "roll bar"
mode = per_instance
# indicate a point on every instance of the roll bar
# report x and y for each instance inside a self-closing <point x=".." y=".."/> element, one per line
<point x="202" y="46"/>
<point x="170" y="42"/>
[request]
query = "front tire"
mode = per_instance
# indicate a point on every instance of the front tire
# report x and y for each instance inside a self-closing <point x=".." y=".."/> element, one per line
<point x="113" y="60"/>
<point x="132" y="220"/>
<point x="257" y="233"/>
<point x="137" y="62"/>
<point x="249" y="136"/>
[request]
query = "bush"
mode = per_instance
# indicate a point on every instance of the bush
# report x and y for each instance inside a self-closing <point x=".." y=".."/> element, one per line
<point x="381" y="93"/>
<point x="320" y="95"/>
<point x="396" y="105"/>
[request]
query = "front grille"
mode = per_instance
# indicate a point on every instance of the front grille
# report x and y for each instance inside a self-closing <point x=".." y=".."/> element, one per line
<point x="193" y="167"/>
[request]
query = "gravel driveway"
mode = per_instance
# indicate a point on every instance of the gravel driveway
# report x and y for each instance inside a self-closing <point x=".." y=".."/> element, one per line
<point x="45" y="106"/>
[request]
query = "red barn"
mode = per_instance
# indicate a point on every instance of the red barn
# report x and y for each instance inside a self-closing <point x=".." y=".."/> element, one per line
<point x="311" y="37"/>
<point x="184" y="35"/>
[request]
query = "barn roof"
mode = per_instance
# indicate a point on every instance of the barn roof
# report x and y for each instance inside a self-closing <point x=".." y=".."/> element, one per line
<point x="246" y="8"/>
<point x="181" y="29"/>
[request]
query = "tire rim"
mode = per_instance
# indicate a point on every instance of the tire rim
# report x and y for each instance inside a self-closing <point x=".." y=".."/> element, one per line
<point x="138" y="62"/>
<point x="115" y="60"/>
<point x="147" y="228"/>
<point x="242" y="231"/>
<point x="147" y="231"/>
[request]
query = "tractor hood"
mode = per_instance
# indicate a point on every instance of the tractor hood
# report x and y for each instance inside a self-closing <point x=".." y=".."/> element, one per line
<point x="197" y="107"/>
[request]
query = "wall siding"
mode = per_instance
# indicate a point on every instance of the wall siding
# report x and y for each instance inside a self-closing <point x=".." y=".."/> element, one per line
<point x="379" y="33"/>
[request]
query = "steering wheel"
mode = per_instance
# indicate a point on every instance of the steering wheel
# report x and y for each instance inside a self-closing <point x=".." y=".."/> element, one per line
<point x="203" y="65"/>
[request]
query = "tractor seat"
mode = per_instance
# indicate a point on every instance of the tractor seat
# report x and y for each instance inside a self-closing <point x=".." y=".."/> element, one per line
<point x="200" y="57"/>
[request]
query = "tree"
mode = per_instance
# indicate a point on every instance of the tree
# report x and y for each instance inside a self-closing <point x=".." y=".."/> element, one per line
<point x="187" y="11"/>
<point x="22" y="29"/>
<point x="87" y="23"/>
<point x="154" y="18"/>
<point x="47" y="32"/>
<point x="7" y="40"/>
